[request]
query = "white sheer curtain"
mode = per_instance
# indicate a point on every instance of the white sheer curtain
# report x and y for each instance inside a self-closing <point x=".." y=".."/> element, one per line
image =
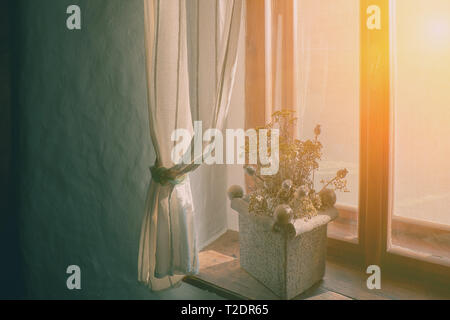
<point x="168" y="248"/>
<point x="327" y="85"/>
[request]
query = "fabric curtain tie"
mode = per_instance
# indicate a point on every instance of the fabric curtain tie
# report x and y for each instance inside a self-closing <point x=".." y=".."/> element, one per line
<point x="165" y="176"/>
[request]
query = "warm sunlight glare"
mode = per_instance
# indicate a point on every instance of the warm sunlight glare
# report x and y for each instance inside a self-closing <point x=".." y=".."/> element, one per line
<point x="439" y="32"/>
<point x="421" y="89"/>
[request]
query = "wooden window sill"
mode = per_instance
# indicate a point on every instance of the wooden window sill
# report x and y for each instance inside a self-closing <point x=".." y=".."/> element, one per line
<point x="221" y="273"/>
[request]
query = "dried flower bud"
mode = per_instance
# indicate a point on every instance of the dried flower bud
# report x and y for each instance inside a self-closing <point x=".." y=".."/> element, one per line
<point x="283" y="214"/>
<point x="341" y="174"/>
<point x="235" y="192"/>
<point x="318" y="130"/>
<point x="250" y="171"/>
<point x="328" y="198"/>
<point x="301" y="192"/>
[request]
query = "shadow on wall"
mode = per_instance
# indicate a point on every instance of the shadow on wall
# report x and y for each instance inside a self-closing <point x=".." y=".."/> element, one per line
<point x="84" y="149"/>
<point x="11" y="285"/>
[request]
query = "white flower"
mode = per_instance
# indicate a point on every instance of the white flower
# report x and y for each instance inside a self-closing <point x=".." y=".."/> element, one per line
<point x="287" y="184"/>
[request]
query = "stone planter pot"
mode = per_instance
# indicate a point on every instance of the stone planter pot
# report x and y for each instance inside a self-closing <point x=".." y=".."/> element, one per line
<point x="287" y="260"/>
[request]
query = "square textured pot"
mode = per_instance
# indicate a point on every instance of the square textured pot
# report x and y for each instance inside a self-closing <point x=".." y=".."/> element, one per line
<point x="286" y="263"/>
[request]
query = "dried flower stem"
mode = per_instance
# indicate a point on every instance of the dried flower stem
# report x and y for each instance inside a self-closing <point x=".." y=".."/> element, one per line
<point x="329" y="182"/>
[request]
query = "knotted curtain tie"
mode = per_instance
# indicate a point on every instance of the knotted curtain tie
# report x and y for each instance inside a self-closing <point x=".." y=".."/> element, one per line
<point x="164" y="176"/>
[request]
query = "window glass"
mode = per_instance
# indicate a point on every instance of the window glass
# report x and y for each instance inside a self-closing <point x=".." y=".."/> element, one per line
<point x="421" y="127"/>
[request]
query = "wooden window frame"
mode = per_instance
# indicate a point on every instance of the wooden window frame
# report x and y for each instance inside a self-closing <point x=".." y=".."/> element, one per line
<point x="375" y="202"/>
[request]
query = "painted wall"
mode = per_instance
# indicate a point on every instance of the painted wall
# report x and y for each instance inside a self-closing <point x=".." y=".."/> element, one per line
<point x="10" y="279"/>
<point x="84" y="149"/>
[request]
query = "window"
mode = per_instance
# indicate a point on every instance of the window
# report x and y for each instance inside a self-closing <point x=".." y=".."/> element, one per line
<point x="421" y="116"/>
<point x="382" y="98"/>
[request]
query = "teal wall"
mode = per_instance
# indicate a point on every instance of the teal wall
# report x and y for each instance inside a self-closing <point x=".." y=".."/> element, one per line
<point x="84" y="149"/>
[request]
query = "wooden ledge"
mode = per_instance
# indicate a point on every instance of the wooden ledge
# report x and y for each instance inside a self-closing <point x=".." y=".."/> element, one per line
<point x="221" y="273"/>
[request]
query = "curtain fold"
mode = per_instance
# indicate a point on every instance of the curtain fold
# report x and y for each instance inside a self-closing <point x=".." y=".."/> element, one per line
<point x="168" y="248"/>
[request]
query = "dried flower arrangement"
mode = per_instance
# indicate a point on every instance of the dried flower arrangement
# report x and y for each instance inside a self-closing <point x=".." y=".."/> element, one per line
<point x="290" y="193"/>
